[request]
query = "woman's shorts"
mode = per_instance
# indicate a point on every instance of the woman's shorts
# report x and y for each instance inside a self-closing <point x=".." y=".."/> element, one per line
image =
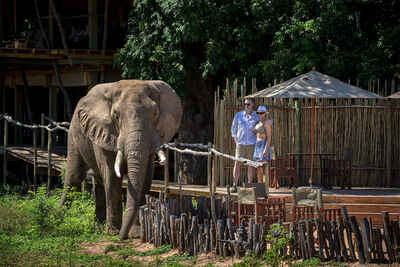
<point x="259" y="150"/>
<point x="244" y="151"/>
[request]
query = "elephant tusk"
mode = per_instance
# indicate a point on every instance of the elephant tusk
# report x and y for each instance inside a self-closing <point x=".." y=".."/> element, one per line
<point x="118" y="164"/>
<point x="161" y="155"/>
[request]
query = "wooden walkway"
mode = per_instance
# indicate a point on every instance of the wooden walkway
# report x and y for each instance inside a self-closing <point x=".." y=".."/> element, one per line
<point x="26" y="153"/>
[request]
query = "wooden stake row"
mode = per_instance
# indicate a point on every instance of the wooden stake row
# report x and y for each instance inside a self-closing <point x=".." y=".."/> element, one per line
<point x="193" y="231"/>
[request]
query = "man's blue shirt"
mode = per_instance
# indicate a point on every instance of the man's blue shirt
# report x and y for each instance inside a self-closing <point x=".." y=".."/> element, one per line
<point x="242" y="127"/>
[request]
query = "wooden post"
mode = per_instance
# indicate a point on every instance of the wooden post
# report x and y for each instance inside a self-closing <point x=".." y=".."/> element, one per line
<point x="221" y="165"/>
<point x="105" y="31"/>
<point x="51" y="24"/>
<point x="15" y="16"/>
<point x="48" y="161"/>
<point x="53" y="91"/>
<point x="389" y="146"/>
<point x="211" y="182"/>
<point x="93" y="24"/>
<point x="310" y="181"/>
<point x="175" y="163"/>
<point x="18" y="109"/>
<point x="2" y="18"/>
<point x="387" y="235"/>
<point x="297" y="138"/>
<point x="5" y="144"/>
<point x="42" y="138"/>
<point x="3" y="89"/>
<point x="35" y="158"/>
<point x="360" y="246"/>
<point x="166" y="173"/>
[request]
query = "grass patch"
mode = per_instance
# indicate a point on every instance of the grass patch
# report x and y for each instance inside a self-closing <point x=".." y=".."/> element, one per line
<point x="157" y="251"/>
<point x="34" y="231"/>
<point x="316" y="262"/>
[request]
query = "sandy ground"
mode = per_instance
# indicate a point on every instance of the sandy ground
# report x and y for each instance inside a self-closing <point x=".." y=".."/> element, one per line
<point x="203" y="259"/>
<point x="136" y="245"/>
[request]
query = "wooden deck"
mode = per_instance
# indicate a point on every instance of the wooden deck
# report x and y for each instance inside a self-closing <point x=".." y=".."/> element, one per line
<point x="360" y="202"/>
<point x="26" y="153"/>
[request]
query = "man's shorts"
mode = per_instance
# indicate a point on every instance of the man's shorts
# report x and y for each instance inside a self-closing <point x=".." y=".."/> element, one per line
<point x="244" y="151"/>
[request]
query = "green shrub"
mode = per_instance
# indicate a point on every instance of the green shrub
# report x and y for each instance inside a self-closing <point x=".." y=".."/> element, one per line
<point x="34" y="231"/>
<point x="277" y="239"/>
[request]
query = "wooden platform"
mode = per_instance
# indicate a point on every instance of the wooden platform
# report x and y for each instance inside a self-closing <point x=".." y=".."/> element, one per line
<point x="360" y="202"/>
<point x="26" y="154"/>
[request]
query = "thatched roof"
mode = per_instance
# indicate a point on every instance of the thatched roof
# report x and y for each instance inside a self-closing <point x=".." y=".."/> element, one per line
<point x="314" y="85"/>
<point x="395" y="95"/>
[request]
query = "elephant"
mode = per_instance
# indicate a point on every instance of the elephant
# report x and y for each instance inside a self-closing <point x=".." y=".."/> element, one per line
<point x="115" y="131"/>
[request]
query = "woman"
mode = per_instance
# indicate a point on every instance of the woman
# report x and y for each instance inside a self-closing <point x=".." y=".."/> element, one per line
<point x="263" y="130"/>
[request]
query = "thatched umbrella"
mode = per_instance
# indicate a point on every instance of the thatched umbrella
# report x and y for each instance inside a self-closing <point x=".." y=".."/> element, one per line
<point x="313" y="85"/>
<point x="395" y="95"/>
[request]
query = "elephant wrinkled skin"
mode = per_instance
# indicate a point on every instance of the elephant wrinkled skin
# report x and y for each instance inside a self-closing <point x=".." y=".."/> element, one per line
<point x="115" y="130"/>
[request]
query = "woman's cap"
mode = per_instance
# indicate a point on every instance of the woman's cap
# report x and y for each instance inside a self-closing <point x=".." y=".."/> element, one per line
<point x="261" y="109"/>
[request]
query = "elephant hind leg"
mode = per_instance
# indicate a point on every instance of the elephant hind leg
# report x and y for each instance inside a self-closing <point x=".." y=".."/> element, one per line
<point x="75" y="172"/>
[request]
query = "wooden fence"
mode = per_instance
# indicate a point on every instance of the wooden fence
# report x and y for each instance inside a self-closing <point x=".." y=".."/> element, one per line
<point x="367" y="127"/>
<point x="191" y="229"/>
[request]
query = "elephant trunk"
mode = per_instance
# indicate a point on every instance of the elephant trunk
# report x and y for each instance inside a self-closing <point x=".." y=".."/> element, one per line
<point x="137" y="151"/>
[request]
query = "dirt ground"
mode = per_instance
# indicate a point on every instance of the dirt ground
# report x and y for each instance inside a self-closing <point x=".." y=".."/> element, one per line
<point x="137" y="246"/>
<point x="99" y="248"/>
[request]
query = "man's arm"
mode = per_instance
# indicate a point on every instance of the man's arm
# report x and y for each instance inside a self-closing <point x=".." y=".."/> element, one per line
<point x="234" y="127"/>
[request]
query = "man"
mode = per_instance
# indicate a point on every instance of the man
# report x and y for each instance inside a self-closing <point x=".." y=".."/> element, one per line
<point x="244" y="138"/>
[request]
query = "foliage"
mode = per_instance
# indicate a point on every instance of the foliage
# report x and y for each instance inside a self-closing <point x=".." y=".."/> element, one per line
<point x="315" y="262"/>
<point x="173" y="260"/>
<point x="277" y="239"/>
<point x="157" y="251"/>
<point x="171" y="39"/>
<point x="249" y="261"/>
<point x="34" y="231"/>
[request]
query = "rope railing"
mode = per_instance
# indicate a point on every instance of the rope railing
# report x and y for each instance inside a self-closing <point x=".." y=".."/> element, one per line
<point x="245" y="161"/>
<point x="186" y="150"/>
<point x="64" y="123"/>
<point x="48" y="127"/>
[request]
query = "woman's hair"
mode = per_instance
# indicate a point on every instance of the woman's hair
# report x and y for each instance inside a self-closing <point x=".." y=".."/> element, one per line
<point x="251" y="99"/>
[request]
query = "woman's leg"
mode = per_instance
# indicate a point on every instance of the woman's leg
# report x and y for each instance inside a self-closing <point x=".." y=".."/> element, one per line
<point x="260" y="174"/>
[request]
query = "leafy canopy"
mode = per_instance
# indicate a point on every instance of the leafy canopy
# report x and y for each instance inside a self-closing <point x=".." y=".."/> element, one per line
<point x="170" y="39"/>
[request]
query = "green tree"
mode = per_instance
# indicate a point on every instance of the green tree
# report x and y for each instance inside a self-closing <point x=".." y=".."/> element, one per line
<point x="195" y="44"/>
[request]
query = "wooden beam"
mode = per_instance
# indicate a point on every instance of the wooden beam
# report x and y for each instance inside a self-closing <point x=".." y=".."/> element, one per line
<point x="52" y="100"/>
<point x="3" y="92"/>
<point x="105" y="31"/>
<point x="2" y="23"/>
<point x="5" y="144"/>
<point x="15" y="15"/>
<point x="51" y="24"/>
<point x="18" y="110"/>
<point x="389" y="143"/>
<point x="93" y="24"/>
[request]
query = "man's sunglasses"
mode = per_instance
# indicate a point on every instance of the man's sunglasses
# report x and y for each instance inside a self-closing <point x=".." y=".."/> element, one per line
<point x="247" y="104"/>
<point x="259" y="113"/>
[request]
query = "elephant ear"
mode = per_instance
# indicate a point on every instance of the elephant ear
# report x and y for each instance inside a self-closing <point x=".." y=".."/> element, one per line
<point x="95" y="118"/>
<point x="170" y="112"/>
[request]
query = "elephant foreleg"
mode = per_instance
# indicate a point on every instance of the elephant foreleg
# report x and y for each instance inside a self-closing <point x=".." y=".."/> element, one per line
<point x="109" y="194"/>
<point x="75" y="172"/>
<point x="100" y="200"/>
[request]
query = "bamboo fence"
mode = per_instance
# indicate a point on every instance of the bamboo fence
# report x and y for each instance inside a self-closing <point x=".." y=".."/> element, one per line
<point x="368" y="127"/>
<point x="191" y="229"/>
